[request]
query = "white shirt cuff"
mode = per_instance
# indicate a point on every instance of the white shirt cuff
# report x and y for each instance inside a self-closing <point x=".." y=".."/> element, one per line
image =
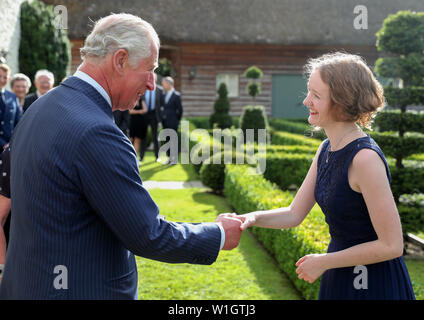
<point x="222" y="236"/>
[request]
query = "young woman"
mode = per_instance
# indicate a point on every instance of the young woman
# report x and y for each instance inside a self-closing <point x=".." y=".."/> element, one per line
<point x="349" y="178"/>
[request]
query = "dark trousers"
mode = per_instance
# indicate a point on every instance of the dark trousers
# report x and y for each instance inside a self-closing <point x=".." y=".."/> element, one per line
<point x="174" y="126"/>
<point x="153" y="123"/>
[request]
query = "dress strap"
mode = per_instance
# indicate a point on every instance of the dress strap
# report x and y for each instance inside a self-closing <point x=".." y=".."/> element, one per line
<point x="367" y="144"/>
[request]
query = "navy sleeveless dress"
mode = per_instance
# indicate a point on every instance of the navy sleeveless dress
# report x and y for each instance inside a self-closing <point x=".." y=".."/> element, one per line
<point x="349" y="223"/>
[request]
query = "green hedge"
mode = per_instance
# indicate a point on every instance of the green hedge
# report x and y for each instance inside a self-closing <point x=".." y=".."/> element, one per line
<point x="411" y="210"/>
<point x="394" y="146"/>
<point x="286" y="138"/>
<point x="287" y="170"/>
<point x="407" y="180"/>
<point x="212" y="172"/>
<point x="247" y="192"/>
<point x="296" y="127"/>
<point x="404" y="96"/>
<point x="203" y="122"/>
<point x="394" y="120"/>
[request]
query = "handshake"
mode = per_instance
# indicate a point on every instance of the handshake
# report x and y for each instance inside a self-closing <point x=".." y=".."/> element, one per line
<point x="233" y="226"/>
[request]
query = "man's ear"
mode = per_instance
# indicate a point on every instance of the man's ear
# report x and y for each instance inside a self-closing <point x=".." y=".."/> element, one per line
<point x="120" y="61"/>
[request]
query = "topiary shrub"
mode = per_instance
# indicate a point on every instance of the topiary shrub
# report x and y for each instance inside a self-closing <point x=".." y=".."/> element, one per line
<point x="43" y="45"/>
<point x="221" y="118"/>
<point x="212" y="172"/>
<point x="411" y="212"/>
<point x="253" y="87"/>
<point x="254" y="117"/>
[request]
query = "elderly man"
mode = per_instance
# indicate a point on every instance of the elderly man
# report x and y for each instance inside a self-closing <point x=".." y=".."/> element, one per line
<point x="44" y="82"/>
<point x="80" y="211"/>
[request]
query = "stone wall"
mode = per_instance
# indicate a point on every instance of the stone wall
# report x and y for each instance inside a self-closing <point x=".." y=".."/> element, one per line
<point x="10" y="30"/>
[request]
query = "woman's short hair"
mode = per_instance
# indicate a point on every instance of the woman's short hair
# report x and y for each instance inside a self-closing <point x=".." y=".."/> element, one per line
<point x="355" y="93"/>
<point x="120" y="31"/>
<point x="20" y="77"/>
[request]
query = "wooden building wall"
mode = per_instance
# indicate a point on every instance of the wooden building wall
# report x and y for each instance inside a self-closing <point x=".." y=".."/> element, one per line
<point x="199" y="93"/>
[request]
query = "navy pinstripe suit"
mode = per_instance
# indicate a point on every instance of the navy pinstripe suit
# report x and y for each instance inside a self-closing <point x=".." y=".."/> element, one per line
<point x="78" y="202"/>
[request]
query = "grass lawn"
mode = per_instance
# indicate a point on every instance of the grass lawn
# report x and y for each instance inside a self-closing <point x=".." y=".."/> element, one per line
<point x="244" y="273"/>
<point x="152" y="170"/>
<point x="416" y="272"/>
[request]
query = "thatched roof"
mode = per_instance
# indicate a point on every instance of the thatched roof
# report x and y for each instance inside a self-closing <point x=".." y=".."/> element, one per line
<point x="244" y="21"/>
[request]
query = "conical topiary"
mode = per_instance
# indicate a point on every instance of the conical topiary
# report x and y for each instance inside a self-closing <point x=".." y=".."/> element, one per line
<point x="221" y="118"/>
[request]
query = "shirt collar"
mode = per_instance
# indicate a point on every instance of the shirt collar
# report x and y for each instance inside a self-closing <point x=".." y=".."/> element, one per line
<point x="85" y="77"/>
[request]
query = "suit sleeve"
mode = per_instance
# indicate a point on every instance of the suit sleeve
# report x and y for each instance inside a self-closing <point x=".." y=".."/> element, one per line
<point x="179" y="108"/>
<point x="18" y="113"/>
<point x="108" y="172"/>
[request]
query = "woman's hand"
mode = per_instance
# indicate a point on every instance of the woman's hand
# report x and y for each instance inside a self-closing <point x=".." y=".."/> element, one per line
<point x="310" y="267"/>
<point x="247" y="220"/>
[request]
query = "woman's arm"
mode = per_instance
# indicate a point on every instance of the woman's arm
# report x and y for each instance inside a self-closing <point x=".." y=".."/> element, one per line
<point x="143" y="109"/>
<point x="290" y="216"/>
<point x="369" y="175"/>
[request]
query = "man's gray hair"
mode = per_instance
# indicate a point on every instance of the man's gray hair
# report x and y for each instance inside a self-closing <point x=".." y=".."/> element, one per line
<point x="121" y="31"/>
<point x="20" y="77"/>
<point x="44" y="72"/>
<point x="169" y="80"/>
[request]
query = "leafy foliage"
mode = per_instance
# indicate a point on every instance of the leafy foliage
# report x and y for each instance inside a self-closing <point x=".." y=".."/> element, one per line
<point x="221" y="118"/>
<point x="43" y="45"/>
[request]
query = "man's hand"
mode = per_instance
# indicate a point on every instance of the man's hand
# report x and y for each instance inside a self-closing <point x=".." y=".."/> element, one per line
<point x="232" y="230"/>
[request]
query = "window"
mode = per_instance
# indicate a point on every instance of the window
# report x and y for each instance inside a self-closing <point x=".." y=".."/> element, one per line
<point x="231" y="80"/>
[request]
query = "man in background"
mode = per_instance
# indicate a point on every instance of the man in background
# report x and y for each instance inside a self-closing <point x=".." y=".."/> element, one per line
<point x="171" y="112"/>
<point x="153" y="100"/>
<point x="44" y="82"/>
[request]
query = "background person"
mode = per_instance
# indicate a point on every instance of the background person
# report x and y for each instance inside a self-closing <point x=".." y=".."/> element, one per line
<point x="153" y="100"/>
<point x="138" y="127"/>
<point x="44" y="82"/>
<point x="171" y="112"/>
<point x="20" y="85"/>
<point x="10" y="113"/>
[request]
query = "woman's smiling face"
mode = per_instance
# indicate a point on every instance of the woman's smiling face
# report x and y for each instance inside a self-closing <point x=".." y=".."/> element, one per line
<point x="318" y="100"/>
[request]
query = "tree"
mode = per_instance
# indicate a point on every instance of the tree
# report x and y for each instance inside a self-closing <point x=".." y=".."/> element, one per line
<point x="253" y="87"/>
<point x="43" y="44"/>
<point x="401" y="37"/>
<point x="221" y="117"/>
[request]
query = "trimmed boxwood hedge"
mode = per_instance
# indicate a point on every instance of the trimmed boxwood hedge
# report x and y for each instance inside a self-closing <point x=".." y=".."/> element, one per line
<point x="287" y="170"/>
<point x="296" y="127"/>
<point x="394" y="146"/>
<point x="411" y="210"/>
<point x="247" y="192"/>
<point x="394" y="120"/>
<point x="286" y="138"/>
